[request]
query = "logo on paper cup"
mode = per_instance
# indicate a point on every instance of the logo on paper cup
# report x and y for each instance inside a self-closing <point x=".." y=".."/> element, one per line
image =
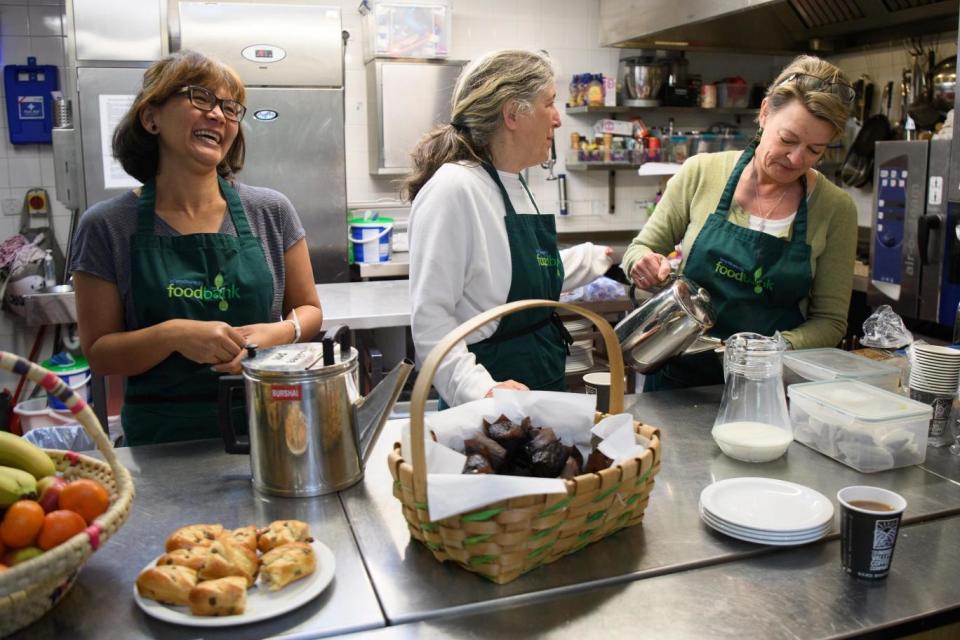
<point x="285" y="392"/>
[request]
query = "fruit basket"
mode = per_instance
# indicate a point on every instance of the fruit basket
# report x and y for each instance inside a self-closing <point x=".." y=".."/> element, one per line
<point x="31" y="588"/>
<point x="501" y="541"/>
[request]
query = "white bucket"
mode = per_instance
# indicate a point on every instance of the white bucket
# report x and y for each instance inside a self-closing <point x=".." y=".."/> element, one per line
<point x="370" y="240"/>
<point x="35" y="413"/>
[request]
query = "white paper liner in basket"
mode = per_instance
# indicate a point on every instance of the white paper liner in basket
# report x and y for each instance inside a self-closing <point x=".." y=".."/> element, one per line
<point x="30" y="589"/>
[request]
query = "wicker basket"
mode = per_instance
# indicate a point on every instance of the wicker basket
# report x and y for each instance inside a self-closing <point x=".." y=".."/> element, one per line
<point x="504" y="540"/>
<point x="30" y="589"/>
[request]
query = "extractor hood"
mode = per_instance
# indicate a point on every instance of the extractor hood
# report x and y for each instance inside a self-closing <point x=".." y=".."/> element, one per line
<point x="770" y="26"/>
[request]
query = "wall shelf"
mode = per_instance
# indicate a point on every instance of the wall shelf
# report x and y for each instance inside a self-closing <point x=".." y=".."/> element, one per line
<point x="601" y="166"/>
<point x="647" y="110"/>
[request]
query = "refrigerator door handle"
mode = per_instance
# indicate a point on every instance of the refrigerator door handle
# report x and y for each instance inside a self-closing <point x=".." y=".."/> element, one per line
<point x="924" y="225"/>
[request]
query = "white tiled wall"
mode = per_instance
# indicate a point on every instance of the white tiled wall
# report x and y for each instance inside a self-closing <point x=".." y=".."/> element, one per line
<point x="568" y="30"/>
<point x="27" y="28"/>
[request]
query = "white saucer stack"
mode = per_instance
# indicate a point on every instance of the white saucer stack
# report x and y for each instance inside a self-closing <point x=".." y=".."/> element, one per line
<point x="766" y="511"/>
<point x="935" y="369"/>
<point x="581" y="351"/>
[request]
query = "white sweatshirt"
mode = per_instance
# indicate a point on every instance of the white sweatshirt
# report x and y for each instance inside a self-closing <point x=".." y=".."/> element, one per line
<point x="460" y="266"/>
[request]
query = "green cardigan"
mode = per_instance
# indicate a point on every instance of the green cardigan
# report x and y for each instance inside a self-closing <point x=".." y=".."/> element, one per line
<point x="694" y="193"/>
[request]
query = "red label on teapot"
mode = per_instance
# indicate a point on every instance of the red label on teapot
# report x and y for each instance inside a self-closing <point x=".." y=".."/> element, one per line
<point x="285" y="392"/>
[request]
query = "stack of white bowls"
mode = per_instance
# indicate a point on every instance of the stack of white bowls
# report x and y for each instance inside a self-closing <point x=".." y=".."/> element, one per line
<point x="935" y="369"/>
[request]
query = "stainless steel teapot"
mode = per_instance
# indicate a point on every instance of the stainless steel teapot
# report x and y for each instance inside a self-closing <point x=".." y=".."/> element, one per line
<point x="310" y="430"/>
<point x="665" y="325"/>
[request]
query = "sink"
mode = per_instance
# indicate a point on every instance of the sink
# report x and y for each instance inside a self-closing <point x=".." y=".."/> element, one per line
<point x="54" y="305"/>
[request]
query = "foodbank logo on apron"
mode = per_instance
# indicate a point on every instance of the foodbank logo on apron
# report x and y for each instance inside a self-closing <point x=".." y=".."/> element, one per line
<point x="220" y="292"/>
<point x="547" y="260"/>
<point x="734" y="272"/>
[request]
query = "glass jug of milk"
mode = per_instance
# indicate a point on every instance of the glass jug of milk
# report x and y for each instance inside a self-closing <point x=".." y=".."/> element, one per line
<point x="753" y="424"/>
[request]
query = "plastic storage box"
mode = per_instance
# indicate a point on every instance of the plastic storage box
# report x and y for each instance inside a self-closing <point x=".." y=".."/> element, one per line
<point x="811" y="365"/>
<point x="860" y="425"/>
<point x="406" y="28"/>
<point x="733" y="95"/>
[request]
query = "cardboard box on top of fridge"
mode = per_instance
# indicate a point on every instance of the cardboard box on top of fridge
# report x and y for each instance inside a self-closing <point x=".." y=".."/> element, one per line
<point x="406" y="28"/>
<point x="616" y="127"/>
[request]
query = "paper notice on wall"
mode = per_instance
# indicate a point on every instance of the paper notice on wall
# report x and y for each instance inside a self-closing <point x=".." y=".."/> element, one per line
<point x="112" y="110"/>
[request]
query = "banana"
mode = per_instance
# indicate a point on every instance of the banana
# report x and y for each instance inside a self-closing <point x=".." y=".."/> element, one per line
<point x="16" y="484"/>
<point x="21" y="454"/>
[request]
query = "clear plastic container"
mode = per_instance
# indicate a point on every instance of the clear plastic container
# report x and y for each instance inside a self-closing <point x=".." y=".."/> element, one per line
<point x="812" y="365"/>
<point x="753" y="424"/>
<point x="860" y="425"/>
<point x="733" y="95"/>
<point x="406" y="28"/>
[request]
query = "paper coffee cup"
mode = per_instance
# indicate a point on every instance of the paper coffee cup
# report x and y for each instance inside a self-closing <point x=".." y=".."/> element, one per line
<point x="869" y="522"/>
<point x="598" y="384"/>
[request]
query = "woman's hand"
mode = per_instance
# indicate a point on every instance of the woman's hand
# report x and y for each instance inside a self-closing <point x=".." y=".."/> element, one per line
<point x="650" y="270"/>
<point x="509" y="384"/>
<point x="208" y="342"/>
<point x="264" y="334"/>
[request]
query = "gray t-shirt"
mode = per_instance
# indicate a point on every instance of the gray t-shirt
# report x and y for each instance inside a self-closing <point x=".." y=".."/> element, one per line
<point x="102" y="242"/>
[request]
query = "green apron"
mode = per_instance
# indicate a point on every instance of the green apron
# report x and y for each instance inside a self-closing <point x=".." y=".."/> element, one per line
<point x="200" y="276"/>
<point x="756" y="283"/>
<point x="528" y="346"/>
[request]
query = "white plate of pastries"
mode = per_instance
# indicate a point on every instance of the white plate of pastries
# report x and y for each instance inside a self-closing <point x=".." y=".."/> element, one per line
<point x="212" y="577"/>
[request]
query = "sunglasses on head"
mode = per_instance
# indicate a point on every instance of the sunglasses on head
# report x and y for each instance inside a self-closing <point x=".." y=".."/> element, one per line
<point x="205" y="100"/>
<point x="807" y="82"/>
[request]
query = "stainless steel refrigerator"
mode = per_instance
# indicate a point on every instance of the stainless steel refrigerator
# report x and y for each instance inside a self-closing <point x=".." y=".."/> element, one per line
<point x="290" y="57"/>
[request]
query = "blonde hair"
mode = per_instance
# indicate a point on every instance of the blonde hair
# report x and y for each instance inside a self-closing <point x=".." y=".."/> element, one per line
<point x="138" y="150"/>
<point x="813" y="89"/>
<point x="482" y="89"/>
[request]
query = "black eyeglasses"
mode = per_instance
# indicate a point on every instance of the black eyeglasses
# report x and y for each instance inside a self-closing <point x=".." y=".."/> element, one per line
<point x="205" y="100"/>
<point x="807" y="82"/>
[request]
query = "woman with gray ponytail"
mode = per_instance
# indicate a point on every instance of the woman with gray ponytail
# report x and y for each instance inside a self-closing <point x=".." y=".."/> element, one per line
<point x="478" y="238"/>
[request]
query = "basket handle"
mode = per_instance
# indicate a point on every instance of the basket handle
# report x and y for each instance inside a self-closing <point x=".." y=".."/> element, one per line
<point x="421" y="388"/>
<point x="54" y="385"/>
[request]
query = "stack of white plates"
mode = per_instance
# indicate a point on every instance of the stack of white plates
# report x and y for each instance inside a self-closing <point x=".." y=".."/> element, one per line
<point x="935" y="369"/>
<point x="766" y="511"/>
<point x="581" y="355"/>
<point x="578" y="325"/>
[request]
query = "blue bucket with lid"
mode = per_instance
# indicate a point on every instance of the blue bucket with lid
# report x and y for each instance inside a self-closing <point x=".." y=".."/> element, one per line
<point x="370" y="239"/>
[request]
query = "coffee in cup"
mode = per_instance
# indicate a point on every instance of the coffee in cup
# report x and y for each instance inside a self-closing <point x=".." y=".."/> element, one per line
<point x="869" y="523"/>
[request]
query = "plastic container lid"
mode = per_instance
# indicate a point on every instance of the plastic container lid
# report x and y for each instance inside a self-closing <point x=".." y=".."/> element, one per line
<point x="64" y="363"/>
<point x="859" y="400"/>
<point x="836" y="364"/>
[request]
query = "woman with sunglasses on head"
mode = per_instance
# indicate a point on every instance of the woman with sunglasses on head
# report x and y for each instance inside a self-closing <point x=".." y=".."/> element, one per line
<point x="175" y="278"/>
<point x="478" y="238"/>
<point x="768" y="237"/>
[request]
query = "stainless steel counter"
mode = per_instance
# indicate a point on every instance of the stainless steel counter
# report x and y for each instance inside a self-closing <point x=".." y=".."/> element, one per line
<point x="798" y="593"/>
<point x="412" y="585"/>
<point x="672" y="577"/>
<point x="365" y="305"/>
<point x="196" y="482"/>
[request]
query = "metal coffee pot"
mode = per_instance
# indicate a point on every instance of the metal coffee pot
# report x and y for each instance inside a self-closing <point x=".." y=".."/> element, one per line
<point x="665" y="325"/>
<point x="310" y="430"/>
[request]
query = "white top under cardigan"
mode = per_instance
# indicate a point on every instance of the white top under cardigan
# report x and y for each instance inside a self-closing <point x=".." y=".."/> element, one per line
<point x="460" y="266"/>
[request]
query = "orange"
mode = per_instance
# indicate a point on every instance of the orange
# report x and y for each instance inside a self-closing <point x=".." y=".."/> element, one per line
<point x="21" y="524"/>
<point x="3" y="568"/>
<point x="58" y="527"/>
<point x="85" y="496"/>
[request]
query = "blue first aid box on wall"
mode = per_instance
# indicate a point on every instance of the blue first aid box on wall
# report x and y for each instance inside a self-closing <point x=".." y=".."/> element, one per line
<point x="28" y="89"/>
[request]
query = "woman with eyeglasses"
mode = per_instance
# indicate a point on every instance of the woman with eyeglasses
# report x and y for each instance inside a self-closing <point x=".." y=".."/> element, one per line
<point x="478" y="238"/>
<point x="175" y="278"/>
<point x="768" y="237"/>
